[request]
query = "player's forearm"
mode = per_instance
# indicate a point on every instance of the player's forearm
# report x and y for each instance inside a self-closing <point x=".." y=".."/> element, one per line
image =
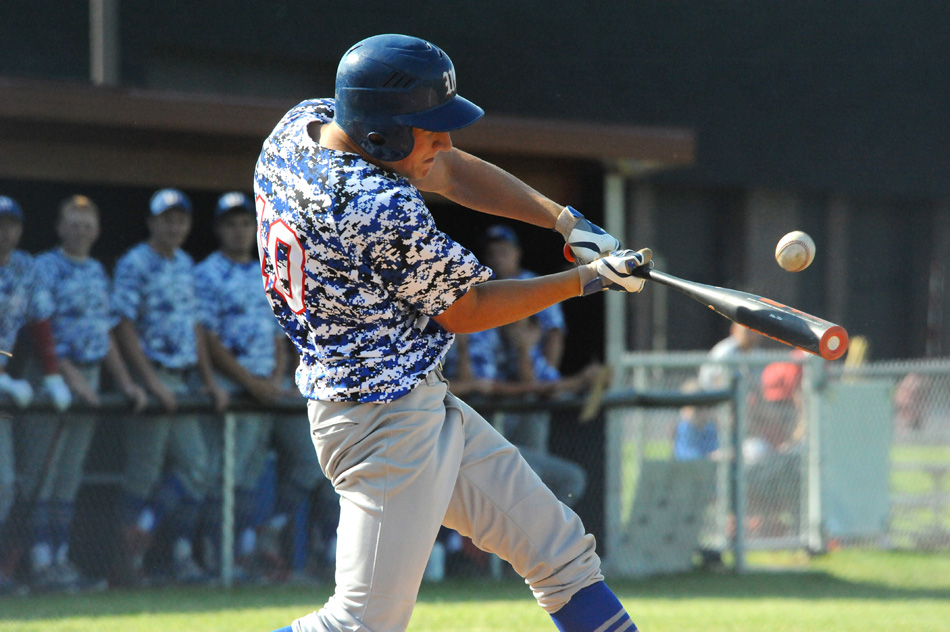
<point x="131" y="348"/>
<point x="116" y="367"/>
<point x="480" y="185"/>
<point x="220" y="358"/>
<point x="496" y="303"/>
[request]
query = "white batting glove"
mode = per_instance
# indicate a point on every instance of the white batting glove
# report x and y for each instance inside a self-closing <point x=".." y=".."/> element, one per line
<point x="58" y="391"/>
<point x="615" y="271"/>
<point x="587" y="241"/>
<point x="19" y="391"/>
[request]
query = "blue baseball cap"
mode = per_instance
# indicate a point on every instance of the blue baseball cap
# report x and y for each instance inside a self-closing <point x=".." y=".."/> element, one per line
<point x="233" y="201"/>
<point x="502" y="232"/>
<point x="165" y="199"/>
<point x="9" y="206"/>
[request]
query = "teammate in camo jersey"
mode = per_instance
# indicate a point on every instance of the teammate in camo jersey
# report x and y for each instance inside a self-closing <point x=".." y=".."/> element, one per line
<point x="371" y="292"/>
<point x="81" y="324"/>
<point x="156" y="304"/>
<point x="24" y="303"/>
<point x="248" y="350"/>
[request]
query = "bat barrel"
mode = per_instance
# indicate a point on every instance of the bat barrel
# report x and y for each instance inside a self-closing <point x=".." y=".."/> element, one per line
<point x="769" y="318"/>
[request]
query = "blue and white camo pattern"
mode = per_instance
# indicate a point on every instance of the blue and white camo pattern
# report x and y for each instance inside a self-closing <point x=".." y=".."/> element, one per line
<point x="158" y="296"/>
<point x="81" y="317"/>
<point x="356" y="267"/>
<point x="233" y="309"/>
<point x="484" y="350"/>
<point x="23" y="300"/>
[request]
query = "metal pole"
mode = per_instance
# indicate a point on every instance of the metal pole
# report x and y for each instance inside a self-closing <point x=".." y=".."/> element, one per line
<point x="104" y="42"/>
<point x="227" y="502"/>
<point x="738" y="470"/>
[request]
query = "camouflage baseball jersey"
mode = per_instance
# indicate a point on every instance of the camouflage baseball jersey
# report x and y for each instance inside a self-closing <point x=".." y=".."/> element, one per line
<point x="233" y="309"/>
<point x="158" y="296"/>
<point x="81" y="318"/>
<point x="22" y="299"/>
<point x="353" y="264"/>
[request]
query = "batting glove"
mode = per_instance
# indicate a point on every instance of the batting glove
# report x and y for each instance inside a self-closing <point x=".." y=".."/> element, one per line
<point x="615" y="271"/>
<point x="19" y="391"/>
<point x="58" y="391"/>
<point x="587" y="241"/>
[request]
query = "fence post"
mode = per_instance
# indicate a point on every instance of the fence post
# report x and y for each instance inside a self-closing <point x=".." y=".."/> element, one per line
<point x="738" y="467"/>
<point x="227" y="502"/>
<point x="812" y="382"/>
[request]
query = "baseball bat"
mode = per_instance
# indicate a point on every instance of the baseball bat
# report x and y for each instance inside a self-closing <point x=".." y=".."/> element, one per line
<point x="770" y="318"/>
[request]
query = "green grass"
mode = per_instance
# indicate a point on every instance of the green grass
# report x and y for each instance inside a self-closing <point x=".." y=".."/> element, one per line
<point x="846" y="591"/>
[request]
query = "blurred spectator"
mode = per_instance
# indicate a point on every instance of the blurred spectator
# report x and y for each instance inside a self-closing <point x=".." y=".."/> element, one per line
<point x="719" y="373"/>
<point x="54" y="447"/>
<point x="909" y="401"/>
<point x="502" y="253"/>
<point x="157" y="306"/>
<point x="772" y="452"/>
<point x="23" y="300"/>
<point x="696" y="435"/>
<point x="696" y="438"/>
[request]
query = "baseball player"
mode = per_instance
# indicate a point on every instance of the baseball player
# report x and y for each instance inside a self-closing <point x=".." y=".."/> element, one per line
<point x="248" y="350"/>
<point x="23" y="301"/>
<point x="55" y="447"/>
<point x="371" y="292"/>
<point x="155" y="298"/>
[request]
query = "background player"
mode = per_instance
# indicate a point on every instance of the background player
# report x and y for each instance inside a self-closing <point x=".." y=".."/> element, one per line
<point x="55" y="447"/>
<point x="155" y="299"/>
<point x="23" y="301"/>
<point x="248" y="349"/>
<point x="370" y="290"/>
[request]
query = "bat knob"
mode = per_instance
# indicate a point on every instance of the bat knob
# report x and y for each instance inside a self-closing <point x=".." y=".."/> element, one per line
<point x="568" y="253"/>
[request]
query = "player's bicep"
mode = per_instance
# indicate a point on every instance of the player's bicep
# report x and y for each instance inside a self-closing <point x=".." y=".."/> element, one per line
<point x="457" y="317"/>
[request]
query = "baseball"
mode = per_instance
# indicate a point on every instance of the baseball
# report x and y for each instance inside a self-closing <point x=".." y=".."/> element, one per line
<point x="795" y="251"/>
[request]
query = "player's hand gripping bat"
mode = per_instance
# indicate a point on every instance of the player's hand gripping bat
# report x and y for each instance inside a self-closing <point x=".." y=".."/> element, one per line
<point x="769" y="318"/>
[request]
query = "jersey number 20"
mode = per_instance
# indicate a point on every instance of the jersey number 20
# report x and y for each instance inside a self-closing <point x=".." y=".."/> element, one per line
<point x="286" y="257"/>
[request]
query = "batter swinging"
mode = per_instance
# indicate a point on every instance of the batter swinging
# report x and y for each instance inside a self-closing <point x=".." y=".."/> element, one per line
<point x="371" y="293"/>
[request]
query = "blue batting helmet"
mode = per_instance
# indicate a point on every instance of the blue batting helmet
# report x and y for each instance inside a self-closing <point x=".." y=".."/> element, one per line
<point x="388" y="84"/>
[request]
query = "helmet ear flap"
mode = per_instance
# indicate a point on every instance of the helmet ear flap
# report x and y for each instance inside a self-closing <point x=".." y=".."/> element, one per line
<point x="387" y="144"/>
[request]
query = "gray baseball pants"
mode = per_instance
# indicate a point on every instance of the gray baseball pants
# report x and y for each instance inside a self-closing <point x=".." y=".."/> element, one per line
<point x="404" y="468"/>
<point x="149" y="438"/>
<point x="52" y="450"/>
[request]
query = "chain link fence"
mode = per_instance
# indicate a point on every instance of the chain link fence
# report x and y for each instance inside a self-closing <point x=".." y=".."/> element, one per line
<point x="794" y="453"/>
<point x="806" y="455"/>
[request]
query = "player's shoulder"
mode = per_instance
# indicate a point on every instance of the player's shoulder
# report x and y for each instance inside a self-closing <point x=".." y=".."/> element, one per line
<point x="48" y="258"/>
<point x="183" y="259"/>
<point x="304" y="113"/>
<point x="21" y="259"/>
<point x="212" y="261"/>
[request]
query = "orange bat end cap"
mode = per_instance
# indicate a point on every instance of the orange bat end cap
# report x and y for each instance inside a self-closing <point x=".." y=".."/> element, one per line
<point x="568" y="254"/>
<point x="833" y="343"/>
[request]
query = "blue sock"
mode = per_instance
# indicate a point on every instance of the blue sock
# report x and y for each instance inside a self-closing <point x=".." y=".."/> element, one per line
<point x="184" y="519"/>
<point x="168" y="496"/>
<point x="593" y="608"/>
<point x="40" y="523"/>
<point x="130" y="507"/>
<point x="286" y="628"/>
<point x="60" y="521"/>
